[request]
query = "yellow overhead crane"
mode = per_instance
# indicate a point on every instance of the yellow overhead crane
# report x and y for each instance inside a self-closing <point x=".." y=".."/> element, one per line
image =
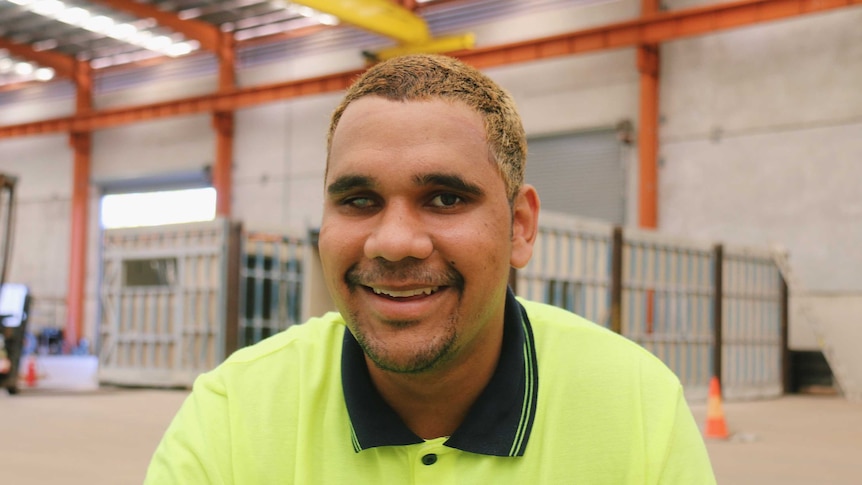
<point x="394" y="21"/>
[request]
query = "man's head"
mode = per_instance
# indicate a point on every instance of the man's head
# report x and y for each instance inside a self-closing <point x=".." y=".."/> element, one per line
<point x="420" y="225"/>
<point x="423" y="77"/>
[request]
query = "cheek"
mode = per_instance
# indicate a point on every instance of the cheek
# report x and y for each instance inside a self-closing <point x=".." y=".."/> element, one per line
<point x="484" y="247"/>
<point x="331" y="247"/>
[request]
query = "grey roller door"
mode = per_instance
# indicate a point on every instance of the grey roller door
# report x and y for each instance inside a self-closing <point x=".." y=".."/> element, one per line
<point x="581" y="174"/>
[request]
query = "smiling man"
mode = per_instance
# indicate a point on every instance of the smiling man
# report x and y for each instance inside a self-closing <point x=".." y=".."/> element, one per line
<point x="432" y="371"/>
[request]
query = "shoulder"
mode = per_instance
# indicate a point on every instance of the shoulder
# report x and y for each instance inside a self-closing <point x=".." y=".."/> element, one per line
<point x="316" y="334"/>
<point x="310" y="347"/>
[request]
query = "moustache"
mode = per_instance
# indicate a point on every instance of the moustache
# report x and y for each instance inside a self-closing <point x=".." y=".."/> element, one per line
<point x="414" y="271"/>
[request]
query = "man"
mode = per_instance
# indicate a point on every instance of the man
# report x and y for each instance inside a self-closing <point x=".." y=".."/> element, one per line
<point x="432" y="371"/>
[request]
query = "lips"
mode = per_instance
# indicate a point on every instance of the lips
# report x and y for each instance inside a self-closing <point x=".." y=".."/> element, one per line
<point x="405" y="293"/>
<point x="403" y="279"/>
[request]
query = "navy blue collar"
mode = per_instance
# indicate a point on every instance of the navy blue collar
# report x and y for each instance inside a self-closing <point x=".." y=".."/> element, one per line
<point x="498" y="423"/>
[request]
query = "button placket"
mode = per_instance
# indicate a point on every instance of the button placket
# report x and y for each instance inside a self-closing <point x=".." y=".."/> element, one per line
<point x="434" y="463"/>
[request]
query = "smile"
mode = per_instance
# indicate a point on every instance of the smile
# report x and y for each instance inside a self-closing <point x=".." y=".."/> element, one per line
<point x="405" y="293"/>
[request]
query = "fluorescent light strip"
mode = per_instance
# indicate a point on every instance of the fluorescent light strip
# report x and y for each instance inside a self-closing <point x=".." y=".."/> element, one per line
<point x="21" y="71"/>
<point x="107" y="26"/>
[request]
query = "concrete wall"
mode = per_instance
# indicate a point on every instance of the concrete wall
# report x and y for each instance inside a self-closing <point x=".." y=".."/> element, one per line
<point x="760" y="144"/>
<point x="760" y="139"/>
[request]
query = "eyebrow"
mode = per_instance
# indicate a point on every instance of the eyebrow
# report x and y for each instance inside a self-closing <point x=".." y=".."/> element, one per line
<point x="449" y="180"/>
<point x="346" y="183"/>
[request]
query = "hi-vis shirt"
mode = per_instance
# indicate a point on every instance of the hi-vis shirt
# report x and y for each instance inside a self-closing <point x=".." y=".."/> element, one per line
<point x="570" y="403"/>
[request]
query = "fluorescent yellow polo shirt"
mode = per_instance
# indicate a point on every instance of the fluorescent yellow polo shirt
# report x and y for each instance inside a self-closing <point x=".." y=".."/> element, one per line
<point x="570" y="402"/>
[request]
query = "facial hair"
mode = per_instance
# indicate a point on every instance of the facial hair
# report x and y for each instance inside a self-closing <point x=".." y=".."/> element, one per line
<point x="433" y="353"/>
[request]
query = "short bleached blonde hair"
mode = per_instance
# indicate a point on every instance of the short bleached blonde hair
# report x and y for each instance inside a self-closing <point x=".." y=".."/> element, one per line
<point x="422" y="77"/>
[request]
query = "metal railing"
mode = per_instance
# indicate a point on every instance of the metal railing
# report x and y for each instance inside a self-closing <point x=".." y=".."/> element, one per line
<point x="271" y="285"/>
<point x="667" y="295"/>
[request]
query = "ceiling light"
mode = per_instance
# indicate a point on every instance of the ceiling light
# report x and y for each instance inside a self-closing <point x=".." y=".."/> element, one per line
<point x="104" y="25"/>
<point x="48" y="8"/>
<point x="74" y="16"/>
<point x="23" y="68"/>
<point x="326" y="19"/>
<point x="99" y="24"/>
<point x="179" y="49"/>
<point x="158" y="43"/>
<point x="121" y="31"/>
<point x="44" y="74"/>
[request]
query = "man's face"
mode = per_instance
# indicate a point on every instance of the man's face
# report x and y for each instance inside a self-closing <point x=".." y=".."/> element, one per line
<point x="417" y="233"/>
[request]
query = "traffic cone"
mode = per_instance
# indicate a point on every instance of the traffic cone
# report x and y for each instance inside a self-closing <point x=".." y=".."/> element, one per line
<point x="715" y="425"/>
<point x="31" y="376"/>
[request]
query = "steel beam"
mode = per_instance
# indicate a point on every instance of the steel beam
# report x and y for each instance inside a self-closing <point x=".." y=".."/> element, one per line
<point x="660" y="27"/>
<point x="657" y="28"/>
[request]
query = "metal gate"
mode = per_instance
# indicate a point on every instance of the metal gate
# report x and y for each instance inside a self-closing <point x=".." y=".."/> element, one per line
<point x="703" y="309"/>
<point x="271" y="279"/>
<point x="163" y="303"/>
<point x="752" y="343"/>
<point x="570" y="267"/>
<point x="667" y="300"/>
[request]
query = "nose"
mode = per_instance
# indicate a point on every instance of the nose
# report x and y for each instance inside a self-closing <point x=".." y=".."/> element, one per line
<point x="399" y="234"/>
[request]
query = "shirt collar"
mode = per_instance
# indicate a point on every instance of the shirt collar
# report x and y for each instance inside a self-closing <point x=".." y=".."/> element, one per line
<point x="498" y="423"/>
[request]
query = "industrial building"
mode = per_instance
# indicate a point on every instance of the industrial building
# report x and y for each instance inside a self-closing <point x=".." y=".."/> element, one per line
<point x="699" y="164"/>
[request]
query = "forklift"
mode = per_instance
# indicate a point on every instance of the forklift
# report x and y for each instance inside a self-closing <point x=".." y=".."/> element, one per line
<point x="14" y="298"/>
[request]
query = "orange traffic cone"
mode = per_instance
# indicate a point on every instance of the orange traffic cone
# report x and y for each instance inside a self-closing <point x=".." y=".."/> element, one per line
<point x="31" y="376"/>
<point x="715" y="425"/>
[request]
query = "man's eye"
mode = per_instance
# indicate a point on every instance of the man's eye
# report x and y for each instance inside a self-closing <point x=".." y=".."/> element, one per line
<point x="446" y="200"/>
<point x="359" y="202"/>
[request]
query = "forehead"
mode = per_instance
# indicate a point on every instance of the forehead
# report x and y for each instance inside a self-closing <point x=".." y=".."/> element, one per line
<point x="372" y="111"/>
<point x="375" y="131"/>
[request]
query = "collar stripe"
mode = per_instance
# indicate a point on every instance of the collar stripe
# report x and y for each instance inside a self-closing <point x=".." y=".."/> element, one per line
<point x="355" y="439"/>
<point x="528" y="411"/>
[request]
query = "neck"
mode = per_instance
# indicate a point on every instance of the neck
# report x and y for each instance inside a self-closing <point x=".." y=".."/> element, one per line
<point x="434" y="403"/>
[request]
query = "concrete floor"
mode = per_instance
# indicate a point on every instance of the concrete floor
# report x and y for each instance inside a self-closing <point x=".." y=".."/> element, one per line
<point x="106" y="436"/>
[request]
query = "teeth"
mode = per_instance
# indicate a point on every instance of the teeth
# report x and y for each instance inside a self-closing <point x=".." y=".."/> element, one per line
<point x="406" y="293"/>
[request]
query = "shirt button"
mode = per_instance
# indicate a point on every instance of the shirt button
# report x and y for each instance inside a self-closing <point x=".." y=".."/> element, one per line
<point x="429" y="459"/>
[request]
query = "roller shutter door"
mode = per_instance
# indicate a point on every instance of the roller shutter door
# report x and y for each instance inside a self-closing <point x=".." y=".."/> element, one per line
<point x="581" y="174"/>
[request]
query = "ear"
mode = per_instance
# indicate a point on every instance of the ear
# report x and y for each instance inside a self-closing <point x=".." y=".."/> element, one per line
<point x="525" y="225"/>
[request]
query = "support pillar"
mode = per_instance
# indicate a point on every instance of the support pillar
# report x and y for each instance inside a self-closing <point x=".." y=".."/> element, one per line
<point x="223" y="122"/>
<point x="81" y="144"/>
<point x="648" y="66"/>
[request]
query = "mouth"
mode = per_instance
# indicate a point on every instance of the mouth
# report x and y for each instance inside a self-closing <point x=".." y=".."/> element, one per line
<point x="396" y="294"/>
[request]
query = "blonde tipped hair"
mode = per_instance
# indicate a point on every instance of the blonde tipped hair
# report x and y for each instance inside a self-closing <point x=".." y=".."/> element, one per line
<point x="423" y="77"/>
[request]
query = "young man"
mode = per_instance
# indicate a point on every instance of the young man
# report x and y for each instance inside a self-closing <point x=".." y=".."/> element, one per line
<point x="432" y="371"/>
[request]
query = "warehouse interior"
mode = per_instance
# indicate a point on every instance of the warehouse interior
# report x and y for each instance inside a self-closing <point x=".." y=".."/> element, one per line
<point x="714" y="123"/>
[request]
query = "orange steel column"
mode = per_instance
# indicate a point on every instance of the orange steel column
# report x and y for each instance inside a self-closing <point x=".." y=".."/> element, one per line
<point x="80" y="143"/>
<point x="223" y="122"/>
<point x="648" y="65"/>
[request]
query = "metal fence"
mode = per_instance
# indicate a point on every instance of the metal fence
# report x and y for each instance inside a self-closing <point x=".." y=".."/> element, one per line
<point x="163" y="303"/>
<point x="754" y="298"/>
<point x="667" y="295"/>
<point x="667" y="298"/>
<point x="7" y="222"/>
<point x="570" y="267"/>
<point x="176" y="300"/>
<point x="271" y="285"/>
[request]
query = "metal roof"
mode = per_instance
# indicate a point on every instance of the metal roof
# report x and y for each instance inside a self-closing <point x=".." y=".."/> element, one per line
<point x="107" y="33"/>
